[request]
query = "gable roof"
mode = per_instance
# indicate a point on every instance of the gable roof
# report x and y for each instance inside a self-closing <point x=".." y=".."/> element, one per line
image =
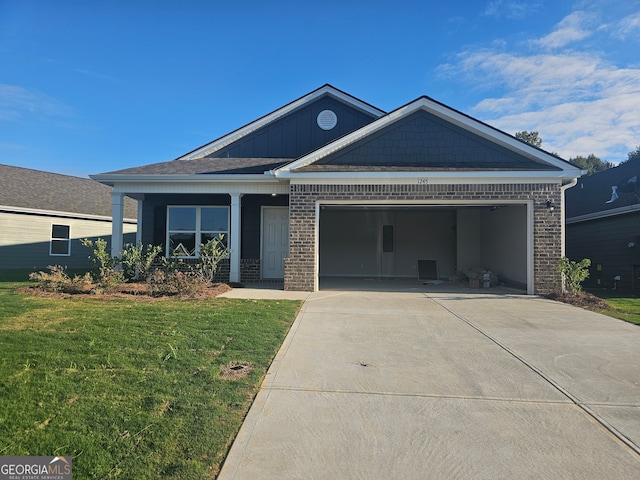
<point x="326" y="90"/>
<point x="23" y="189"/>
<point x="589" y="198"/>
<point x="416" y="132"/>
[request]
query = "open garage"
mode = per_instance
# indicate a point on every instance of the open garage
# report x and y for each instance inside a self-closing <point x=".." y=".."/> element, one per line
<point x="394" y="241"/>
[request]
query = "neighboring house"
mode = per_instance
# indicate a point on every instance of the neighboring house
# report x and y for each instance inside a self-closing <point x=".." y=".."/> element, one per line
<point x="44" y="216"/>
<point x="331" y="186"/>
<point x="603" y="224"/>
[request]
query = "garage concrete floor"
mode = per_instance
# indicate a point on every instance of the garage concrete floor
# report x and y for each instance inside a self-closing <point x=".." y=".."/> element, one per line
<point x="446" y="385"/>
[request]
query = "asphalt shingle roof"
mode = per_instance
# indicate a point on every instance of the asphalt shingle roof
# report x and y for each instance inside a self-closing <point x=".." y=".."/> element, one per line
<point x="592" y="192"/>
<point x="35" y="189"/>
<point x="206" y="165"/>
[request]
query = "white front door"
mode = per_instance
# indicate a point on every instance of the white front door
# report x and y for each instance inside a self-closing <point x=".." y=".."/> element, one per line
<point x="275" y="241"/>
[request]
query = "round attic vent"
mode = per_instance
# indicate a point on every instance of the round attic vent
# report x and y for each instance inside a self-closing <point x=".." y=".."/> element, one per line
<point x="327" y="119"/>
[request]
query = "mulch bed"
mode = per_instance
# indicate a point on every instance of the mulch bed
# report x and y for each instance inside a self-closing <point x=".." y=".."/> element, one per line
<point x="583" y="300"/>
<point x="131" y="291"/>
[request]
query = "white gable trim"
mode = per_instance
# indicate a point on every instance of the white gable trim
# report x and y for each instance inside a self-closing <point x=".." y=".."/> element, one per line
<point x="435" y="108"/>
<point x="281" y="112"/>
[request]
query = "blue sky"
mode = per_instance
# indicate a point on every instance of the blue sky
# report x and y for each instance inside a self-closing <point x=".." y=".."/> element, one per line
<point x="94" y="86"/>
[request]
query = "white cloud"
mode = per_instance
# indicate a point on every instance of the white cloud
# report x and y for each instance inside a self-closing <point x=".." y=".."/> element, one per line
<point x="18" y="103"/>
<point x="627" y="26"/>
<point x="574" y="27"/>
<point x="510" y="9"/>
<point x="579" y="101"/>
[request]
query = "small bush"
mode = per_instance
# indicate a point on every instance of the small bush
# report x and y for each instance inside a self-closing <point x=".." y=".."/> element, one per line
<point x="57" y="280"/>
<point x="211" y="254"/>
<point x="104" y="263"/>
<point x="573" y="274"/>
<point x="137" y="260"/>
<point x="178" y="283"/>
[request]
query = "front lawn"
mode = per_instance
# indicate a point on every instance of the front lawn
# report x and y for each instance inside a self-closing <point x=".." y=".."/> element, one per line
<point x="132" y="388"/>
<point x="624" y="307"/>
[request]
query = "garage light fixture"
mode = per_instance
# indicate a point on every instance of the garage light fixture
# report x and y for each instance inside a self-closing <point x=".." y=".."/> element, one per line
<point x="550" y="206"/>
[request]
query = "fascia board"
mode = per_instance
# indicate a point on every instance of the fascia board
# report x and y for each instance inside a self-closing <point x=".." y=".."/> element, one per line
<point x="111" y="179"/>
<point x="604" y="214"/>
<point x="271" y="117"/>
<point x="448" y="175"/>
<point x="452" y="116"/>
<point x="55" y="213"/>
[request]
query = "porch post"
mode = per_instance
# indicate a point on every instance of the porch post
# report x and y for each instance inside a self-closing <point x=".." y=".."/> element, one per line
<point x="139" y="224"/>
<point x="117" y="214"/>
<point x="234" y="238"/>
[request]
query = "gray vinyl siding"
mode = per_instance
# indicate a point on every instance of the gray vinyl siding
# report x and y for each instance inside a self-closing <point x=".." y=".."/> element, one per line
<point x="25" y="240"/>
<point x="297" y="133"/>
<point x="606" y="242"/>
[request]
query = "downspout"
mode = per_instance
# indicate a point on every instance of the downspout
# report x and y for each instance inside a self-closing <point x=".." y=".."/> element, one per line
<point x="563" y="188"/>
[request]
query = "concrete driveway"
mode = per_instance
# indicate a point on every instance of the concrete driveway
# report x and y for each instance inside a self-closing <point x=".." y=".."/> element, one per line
<point x="375" y="385"/>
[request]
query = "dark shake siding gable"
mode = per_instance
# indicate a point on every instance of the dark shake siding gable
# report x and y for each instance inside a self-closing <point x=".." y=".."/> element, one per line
<point x="298" y="133"/>
<point x="424" y="141"/>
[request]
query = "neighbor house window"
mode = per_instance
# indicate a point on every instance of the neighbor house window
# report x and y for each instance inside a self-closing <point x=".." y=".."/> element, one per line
<point x="188" y="227"/>
<point x="60" y="240"/>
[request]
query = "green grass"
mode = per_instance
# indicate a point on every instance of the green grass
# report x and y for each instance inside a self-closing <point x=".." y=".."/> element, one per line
<point x="131" y="389"/>
<point x="623" y="306"/>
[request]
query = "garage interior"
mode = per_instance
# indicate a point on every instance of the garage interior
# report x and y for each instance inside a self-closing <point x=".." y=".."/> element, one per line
<point x="387" y="242"/>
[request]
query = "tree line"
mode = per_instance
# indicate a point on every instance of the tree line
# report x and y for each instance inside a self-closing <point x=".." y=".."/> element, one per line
<point x="590" y="163"/>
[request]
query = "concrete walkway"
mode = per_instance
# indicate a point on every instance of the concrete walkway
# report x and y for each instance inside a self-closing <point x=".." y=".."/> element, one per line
<point x="375" y="385"/>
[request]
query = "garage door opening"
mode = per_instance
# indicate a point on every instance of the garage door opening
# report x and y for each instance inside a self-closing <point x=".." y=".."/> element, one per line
<point x="376" y="242"/>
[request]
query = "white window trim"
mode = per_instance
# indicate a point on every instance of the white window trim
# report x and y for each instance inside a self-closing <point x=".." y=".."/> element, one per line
<point x="52" y="238"/>
<point x="198" y="232"/>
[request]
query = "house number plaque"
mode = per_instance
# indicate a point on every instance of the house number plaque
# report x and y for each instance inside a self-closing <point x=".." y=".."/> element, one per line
<point x="423" y="181"/>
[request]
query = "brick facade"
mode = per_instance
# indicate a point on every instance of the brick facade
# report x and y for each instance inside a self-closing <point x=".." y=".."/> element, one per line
<point x="300" y="271"/>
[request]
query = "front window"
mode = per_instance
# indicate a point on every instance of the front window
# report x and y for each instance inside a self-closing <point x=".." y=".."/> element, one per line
<point x="60" y="241"/>
<point x="188" y="227"/>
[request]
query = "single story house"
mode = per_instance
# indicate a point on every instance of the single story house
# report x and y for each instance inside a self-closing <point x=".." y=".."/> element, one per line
<point x="44" y="216"/>
<point x="331" y="186"/>
<point x="603" y="224"/>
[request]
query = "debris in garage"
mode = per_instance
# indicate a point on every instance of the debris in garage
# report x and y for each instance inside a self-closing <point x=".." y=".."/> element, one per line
<point x="481" y="278"/>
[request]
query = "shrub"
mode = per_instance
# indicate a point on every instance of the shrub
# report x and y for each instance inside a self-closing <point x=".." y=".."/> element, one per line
<point x="104" y="263"/>
<point x="57" y="280"/>
<point x="163" y="283"/>
<point x="137" y="260"/>
<point x="573" y="274"/>
<point x="211" y="254"/>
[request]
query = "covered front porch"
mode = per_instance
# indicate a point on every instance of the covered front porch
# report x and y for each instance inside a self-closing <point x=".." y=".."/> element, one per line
<point x="252" y="216"/>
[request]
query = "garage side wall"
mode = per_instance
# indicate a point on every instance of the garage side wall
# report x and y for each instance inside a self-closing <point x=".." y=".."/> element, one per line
<point x="300" y="267"/>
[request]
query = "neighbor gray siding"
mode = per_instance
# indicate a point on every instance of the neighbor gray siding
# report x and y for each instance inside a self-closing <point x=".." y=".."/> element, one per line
<point x="25" y="240"/>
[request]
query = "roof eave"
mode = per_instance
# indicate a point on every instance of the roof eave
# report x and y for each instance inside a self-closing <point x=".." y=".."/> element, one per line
<point x="604" y="214"/>
<point x="111" y="178"/>
<point x="58" y="213"/>
<point x="426" y="177"/>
